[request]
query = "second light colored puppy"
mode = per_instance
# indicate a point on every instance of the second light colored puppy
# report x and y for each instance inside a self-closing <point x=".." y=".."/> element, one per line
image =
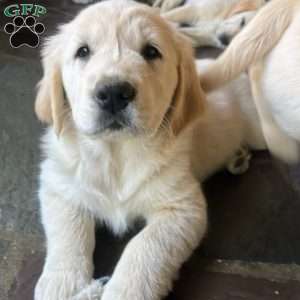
<point x="269" y="46"/>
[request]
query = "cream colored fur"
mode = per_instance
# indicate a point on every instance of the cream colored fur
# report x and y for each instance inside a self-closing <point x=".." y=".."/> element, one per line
<point x="210" y="20"/>
<point x="175" y="136"/>
<point x="270" y="45"/>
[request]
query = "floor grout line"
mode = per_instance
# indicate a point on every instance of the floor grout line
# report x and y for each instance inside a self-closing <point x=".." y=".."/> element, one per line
<point x="260" y="270"/>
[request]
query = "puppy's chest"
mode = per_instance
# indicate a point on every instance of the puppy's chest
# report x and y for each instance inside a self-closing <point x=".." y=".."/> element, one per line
<point x="108" y="177"/>
<point x="115" y="187"/>
<point x="115" y="179"/>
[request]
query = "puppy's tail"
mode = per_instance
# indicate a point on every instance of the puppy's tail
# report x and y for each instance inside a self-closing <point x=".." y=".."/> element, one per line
<point x="252" y="44"/>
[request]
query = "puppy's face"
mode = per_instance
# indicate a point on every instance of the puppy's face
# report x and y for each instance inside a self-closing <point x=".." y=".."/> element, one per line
<point x="121" y="69"/>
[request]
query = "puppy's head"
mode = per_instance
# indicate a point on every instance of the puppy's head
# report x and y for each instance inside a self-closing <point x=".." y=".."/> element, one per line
<point x="118" y="67"/>
<point x="237" y="18"/>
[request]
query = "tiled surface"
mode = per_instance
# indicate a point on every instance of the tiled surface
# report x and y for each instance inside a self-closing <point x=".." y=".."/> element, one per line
<point x="253" y="217"/>
<point x="218" y="286"/>
<point x="195" y="283"/>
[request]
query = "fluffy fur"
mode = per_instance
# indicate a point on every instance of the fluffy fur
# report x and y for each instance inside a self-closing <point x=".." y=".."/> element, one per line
<point x="270" y="46"/>
<point x="214" y="22"/>
<point x="173" y="136"/>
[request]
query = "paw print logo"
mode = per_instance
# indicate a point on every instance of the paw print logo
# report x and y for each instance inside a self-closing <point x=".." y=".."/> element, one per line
<point x="24" y="31"/>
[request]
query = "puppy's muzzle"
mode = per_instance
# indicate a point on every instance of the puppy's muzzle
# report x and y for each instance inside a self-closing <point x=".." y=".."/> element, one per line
<point x="114" y="98"/>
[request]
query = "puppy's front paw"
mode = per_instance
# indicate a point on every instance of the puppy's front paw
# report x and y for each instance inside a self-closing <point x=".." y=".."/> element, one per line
<point x="60" y="285"/>
<point x="121" y="292"/>
<point x="93" y="291"/>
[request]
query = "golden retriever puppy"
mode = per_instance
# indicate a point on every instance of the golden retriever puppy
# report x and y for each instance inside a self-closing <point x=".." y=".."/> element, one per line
<point x="270" y="46"/>
<point x="130" y="132"/>
<point x="214" y="22"/>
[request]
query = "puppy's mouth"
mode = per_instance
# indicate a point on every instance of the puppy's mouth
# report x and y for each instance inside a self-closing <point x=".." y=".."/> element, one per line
<point x="116" y="122"/>
<point x="115" y="125"/>
<point x="108" y="124"/>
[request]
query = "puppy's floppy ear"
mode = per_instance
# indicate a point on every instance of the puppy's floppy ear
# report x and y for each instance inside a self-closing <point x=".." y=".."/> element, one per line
<point x="189" y="98"/>
<point x="49" y="103"/>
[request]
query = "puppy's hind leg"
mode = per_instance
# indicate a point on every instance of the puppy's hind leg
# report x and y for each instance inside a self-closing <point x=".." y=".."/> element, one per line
<point x="204" y="34"/>
<point x="167" y="5"/>
<point x="187" y="14"/>
<point x="240" y="161"/>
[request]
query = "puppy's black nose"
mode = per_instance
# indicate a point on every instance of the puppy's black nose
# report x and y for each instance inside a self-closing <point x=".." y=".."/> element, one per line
<point x="224" y="39"/>
<point x="115" y="97"/>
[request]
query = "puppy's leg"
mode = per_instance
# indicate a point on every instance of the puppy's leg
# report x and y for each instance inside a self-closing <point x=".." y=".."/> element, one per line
<point x="166" y="5"/>
<point x="187" y="14"/>
<point x="240" y="161"/>
<point x="204" y="34"/>
<point x="230" y="27"/>
<point x="153" y="257"/>
<point x="93" y="291"/>
<point x="70" y="244"/>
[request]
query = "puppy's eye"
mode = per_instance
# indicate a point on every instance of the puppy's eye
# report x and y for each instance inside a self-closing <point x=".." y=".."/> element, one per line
<point x="149" y="52"/>
<point x="83" y="52"/>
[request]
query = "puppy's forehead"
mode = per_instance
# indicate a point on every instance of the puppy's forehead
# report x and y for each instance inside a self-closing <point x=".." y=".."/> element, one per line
<point x="110" y="10"/>
<point x="108" y="17"/>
